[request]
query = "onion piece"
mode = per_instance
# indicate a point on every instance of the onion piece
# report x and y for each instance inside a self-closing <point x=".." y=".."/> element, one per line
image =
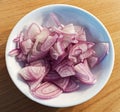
<point x="65" y="44"/>
<point x="81" y="35"/>
<point x="84" y="74"/>
<point x="52" y="75"/>
<point x="43" y="35"/>
<point x="101" y="49"/>
<point x="21" y="57"/>
<point x="59" y="48"/>
<point x="65" y="70"/>
<point x="92" y="61"/>
<point x="61" y="83"/>
<point x="55" y="19"/>
<point x="57" y="51"/>
<point x="59" y="60"/>
<point x="48" y="43"/>
<point x="47" y="91"/>
<point x="35" y="83"/>
<point x="26" y="46"/>
<point x="59" y="31"/>
<point x="14" y="52"/>
<point x="21" y="36"/>
<point x="73" y="85"/>
<point x="33" y="30"/>
<point x="16" y="39"/>
<point x="42" y="63"/>
<point x="76" y="50"/>
<point x="79" y="29"/>
<point x="36" y="53"/>
<point x="69" y="29"/>
<point x="34" y="57"/>
<point x="32" y="73"/>
<point x="86" y="54"/>
<point x="54" y="54"/>
<point x="38" y="63"/>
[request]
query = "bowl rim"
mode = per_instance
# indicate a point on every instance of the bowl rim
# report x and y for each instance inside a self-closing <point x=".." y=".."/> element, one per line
<point x="76" y="8"/>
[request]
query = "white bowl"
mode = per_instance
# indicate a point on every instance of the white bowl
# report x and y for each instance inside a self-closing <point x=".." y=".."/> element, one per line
<point x="66" y="14"/>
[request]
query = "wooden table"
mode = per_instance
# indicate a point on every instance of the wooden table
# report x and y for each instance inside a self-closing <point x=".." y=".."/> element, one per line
<point x="11" y="100"/>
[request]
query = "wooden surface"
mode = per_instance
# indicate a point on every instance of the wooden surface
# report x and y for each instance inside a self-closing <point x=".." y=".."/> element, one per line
<point x="108" y="100"/>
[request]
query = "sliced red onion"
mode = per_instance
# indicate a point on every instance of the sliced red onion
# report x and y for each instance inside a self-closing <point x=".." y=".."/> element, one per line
<point x="78" y="29"/>
<point x="68" y="40"/>
<point x="35" y="56"/>
<point x="52" y="75"/>
<point x="21" y="36"/>
<point x="55" y="19"/>
<point x="84" y="74"/>
<point x="57" y="58"/>
<point x="81" y="35"/>
<point x="69" y="29"/>
<point x="90" y="44"/>
<point x="59" y="48"/>
<point x="34" y="84"/>
<point x="92" y="61"/>
<point x="101" y="49"/>
<point x="62" y="82"/>
<point x="19" y="39"/>
<point x="65" y="33"/>
<point x="26" y="46"/>
<point x="47" y="91"/>
<point x="56" y="51"/>
<point x="76" y="50"/>
<point x="32" y="73"/>
<point x="14" y="52"/>
<point x="16" y="39"/>
<point x="65" y="70"/>
<point x="49" y="42"/>
<point x="73" y="85"/>
<point x="60" y="59"/>
<point x="42" y="63"/>
<point x="86" y="54"/>
<point x="53" y="53"/>
<point x="36" y="53"/>
<point x="42" y="36"/>
<point x="65" y="44"/>
<point x="21" y="57"/>
<point x="33" y="30"/>
<point x="38" y="63"/>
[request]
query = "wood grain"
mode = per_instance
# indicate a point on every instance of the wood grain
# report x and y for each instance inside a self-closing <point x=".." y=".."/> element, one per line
<point x="108" y="100"/>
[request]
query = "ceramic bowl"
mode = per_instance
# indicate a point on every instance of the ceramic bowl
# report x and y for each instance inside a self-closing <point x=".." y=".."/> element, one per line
<point x="66" y="14"/>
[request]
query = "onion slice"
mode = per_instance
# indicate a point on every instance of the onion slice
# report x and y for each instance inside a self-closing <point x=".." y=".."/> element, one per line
<point x="65" y="70"/>
<point x="84" y="74"/>
<point x="73" y="85"/>
<point x="33" y="30"/>
<point x="32" y="73"/>
<point x="92" y="61"/>
<point x="51" y="76"/>
<point x="14" y="52"/>
<point x="61" y="83"/>
<point x="26" y="46"/>
<point x="101" y="49"/>
<point x="47" y="91"/>
<point x="49" y="42"/>
<point x="55" y="19"/>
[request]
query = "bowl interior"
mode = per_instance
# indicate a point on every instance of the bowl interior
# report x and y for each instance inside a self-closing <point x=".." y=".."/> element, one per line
<point x="66" y="14"/>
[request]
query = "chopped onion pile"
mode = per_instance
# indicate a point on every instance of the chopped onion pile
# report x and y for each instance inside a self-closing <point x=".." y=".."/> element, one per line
<point x="57" y="58"/>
